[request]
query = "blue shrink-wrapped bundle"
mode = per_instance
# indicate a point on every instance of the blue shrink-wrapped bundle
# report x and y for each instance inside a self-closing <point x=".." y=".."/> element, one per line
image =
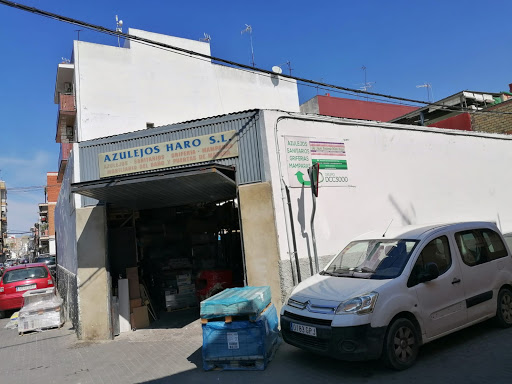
<point x="236" y="302"/>
<point x="241" y="345"/>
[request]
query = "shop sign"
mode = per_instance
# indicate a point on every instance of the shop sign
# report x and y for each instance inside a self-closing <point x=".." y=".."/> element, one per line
<point x="169" y="154"/>
<point x="302" y="152"/>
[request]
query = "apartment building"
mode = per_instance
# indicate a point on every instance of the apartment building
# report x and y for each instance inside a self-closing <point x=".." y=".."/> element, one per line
<point x="3" y="219"/>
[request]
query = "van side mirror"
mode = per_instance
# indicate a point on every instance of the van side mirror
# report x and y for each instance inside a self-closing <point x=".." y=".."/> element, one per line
<point x="431" y="273"/>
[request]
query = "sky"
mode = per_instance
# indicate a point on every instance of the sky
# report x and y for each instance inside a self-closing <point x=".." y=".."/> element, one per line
<point x="452" y="45"/>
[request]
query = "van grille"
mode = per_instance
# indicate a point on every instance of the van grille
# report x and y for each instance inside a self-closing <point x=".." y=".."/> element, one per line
<point x="310" y="320"/>
<point x="307" y="341"/>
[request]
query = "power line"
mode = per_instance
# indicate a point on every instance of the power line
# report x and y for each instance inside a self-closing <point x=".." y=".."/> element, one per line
<point x="232" y="63"/>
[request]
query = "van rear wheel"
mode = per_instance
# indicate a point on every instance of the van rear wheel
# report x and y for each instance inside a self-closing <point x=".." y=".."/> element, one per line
<point x="401" y="345"/>
<point x="504" y="310"/>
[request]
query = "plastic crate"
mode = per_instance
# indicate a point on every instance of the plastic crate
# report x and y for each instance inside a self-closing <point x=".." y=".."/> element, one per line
<point x="236" y="302"/>
<point x="241" y="345"/>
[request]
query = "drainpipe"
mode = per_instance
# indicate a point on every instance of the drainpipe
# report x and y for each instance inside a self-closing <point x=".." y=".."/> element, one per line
<point x="289" y="202"/>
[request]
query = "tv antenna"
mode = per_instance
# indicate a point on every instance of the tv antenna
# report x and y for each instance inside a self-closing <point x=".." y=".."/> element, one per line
<point x="207" y="38"/>
<point x="430" y="93"/>
<point x="78" y="33"/>
<point x="248" y="29"/>
<point x="289" y="65"/>
<point x="366" y="85"/>
<point x="119" y="28"/>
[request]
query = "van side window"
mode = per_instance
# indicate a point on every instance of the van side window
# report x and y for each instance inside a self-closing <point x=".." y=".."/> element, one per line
<point x="479" y="246"/>
<point x="494" y="245"/>
<point x="437" y="251"/>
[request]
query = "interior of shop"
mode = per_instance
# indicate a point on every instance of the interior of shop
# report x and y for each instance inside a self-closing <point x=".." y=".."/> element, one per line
<point x="173" y="257"/>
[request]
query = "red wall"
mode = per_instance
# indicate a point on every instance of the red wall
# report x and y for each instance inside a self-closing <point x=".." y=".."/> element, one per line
<point x="360" y="109"/>
<point x="53" y="187"/>
<point x="461" y="122"/>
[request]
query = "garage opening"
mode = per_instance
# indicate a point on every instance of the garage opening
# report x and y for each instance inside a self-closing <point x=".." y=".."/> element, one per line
<point x="175" y="238"/>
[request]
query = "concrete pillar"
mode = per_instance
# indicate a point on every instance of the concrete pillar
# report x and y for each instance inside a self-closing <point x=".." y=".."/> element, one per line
<point x="260" y="238"/>
<point x="92" y="277"/>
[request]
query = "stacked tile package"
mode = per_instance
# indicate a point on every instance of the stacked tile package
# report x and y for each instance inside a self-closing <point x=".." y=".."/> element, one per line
<point x="236" y="302"/>
<point x="184" y="296"/>
<point x="42" y="309"/>
<point x="240" y="329"/>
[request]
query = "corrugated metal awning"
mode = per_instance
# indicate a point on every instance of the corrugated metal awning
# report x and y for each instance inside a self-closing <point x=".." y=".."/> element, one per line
<point x="163" y="189"/>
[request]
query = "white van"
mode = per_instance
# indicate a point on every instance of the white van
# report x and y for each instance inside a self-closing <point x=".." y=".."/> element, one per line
<point x="385" y="294"/>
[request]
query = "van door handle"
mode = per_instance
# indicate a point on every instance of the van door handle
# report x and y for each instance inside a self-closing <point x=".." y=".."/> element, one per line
<point x="455" y="281"/>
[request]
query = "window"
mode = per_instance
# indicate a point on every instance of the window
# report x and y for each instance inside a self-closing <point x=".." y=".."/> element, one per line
<point x="494" y="245"/>
<point x="479" y="246"/>
<point x="372" y="259"/>
<point x="24" y="274"/>
<point x="437" y="251"/>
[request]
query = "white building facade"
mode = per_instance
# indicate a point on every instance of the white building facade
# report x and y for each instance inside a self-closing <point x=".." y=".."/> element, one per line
<point x="106" y="91"/>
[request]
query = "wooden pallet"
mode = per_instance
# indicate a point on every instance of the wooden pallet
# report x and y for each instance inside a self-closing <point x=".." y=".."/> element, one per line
<point x="230" y="319"/>
<point x="250" y="365"/>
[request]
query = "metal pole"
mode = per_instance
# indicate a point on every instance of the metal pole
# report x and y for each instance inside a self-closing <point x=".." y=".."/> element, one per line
<point x="313" y="237"/>
<point x="252" y="50"/>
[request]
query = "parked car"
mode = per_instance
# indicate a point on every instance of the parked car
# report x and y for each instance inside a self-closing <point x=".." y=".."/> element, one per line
<point x="2" y="267"/>
<point x="383" y="296"/>
<point x="18" y="279"/>
<point x="9" y="262"/>
<point x="50" y="262"/>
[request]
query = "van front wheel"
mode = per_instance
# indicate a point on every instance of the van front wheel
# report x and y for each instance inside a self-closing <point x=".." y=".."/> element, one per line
<point x="400" y="345"/>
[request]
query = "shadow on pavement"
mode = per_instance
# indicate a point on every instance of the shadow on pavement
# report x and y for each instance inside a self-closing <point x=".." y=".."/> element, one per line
<point x="297" y="366"/>
<point x="32" y="341"/>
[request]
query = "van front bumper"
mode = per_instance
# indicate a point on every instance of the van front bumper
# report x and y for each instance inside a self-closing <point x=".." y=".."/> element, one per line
<point x="355" y="343"/>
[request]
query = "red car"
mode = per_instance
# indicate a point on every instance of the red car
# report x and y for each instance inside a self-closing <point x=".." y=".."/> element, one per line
<point x="18" y="279"/>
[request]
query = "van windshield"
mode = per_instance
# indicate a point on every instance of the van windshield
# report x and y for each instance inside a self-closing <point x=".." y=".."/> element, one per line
<point x="372" y="259"/>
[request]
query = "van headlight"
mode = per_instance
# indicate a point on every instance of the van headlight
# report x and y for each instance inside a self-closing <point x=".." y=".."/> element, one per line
<point x="360" y="305"/>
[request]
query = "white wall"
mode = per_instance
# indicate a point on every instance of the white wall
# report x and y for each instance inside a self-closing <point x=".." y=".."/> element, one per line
<point x="119" y="90"/>
<point x="396" y="172"/>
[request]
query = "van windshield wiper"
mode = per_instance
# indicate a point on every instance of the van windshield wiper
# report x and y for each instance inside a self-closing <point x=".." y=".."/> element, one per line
<point x="345" y="272"/>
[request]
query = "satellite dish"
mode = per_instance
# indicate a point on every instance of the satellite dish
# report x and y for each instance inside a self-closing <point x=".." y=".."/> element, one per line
<point x="277" y="69"/>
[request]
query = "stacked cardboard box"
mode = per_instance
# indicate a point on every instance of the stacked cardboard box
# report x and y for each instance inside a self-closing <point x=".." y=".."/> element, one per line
<point x="187" y="288"/>
<point x="139" y="317"/>
<point x="183" y="295"/>
<point x="179" y="301"/>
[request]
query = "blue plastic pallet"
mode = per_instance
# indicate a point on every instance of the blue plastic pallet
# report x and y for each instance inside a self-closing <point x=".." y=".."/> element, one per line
<point x="241" y="345"/>
<point x="236" y="302"/>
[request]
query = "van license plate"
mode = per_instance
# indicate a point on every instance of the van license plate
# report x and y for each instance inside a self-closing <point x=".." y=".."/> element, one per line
<point x="304" y="329"/>
<point x="25" y="287"/>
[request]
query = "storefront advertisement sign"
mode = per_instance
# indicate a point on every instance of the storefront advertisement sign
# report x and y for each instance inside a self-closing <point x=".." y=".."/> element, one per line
<point x="302" y="152"/>
<point x="169" y="154"/>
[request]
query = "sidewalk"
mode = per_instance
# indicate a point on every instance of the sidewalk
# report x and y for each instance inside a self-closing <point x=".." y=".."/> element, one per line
<point x="480" y="354"/>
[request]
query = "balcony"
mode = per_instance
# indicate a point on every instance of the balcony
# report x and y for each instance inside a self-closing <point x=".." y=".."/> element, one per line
<point x="43" y="210"/>
<point x="66" y="118"/>
<point x="65" y="150"/>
